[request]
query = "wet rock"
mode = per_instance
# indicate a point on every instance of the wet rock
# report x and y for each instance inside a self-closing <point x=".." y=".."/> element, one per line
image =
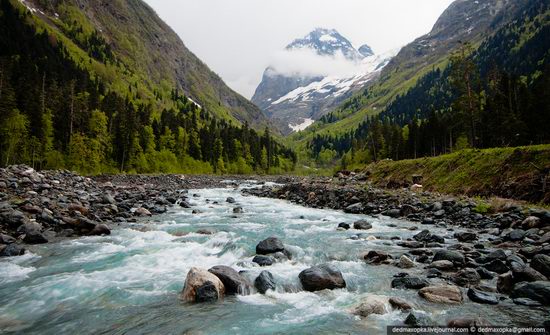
<point x="206" y="231"/>
<point x="445" y="294"/>
<point x="497" y="266"/>
<point x="233" y="282"/>
<point x="370" y="305"/>
<point x="269" y="246"/>
<point x="526" y="302"/>
<point x="541" y="263"/>
<point x="400" y="304"/>
<point x="344" y="225"/>
<point x="405" y="262"/>
<point x="426" y="236"/>
<point x="321" y="277"/>
<point x="526" y="273"/>
<point x="482" y="297"/>
<point x="207" y="292"/>
<point x="538" y="291"/>
<point x="35" y="237"/>
<point x="262" y="260"/>
<point x="184" y="204"/>
<point x="13" y="218"/>
<point x="264" y="282"/>
<point x="356" y="208"/>
<point x="416" y="319"/>
<point x="466" y="322"/>
<point x="466" y="278"/>
<point x="449" y="255"/>
<point x="505" y="282"/>
<point x="495" y="255"/>
<point x="444" y="265"/>
<point x="100" y="229"/>
<point x="376" y="257"/>
<point x="516" y="235"/>
<point x="12" y="250"/>
<point x="362" y="224"/>
<point x="142" y="212"/>
<point x="230" y="200"/>
<point x="466" y="236"/>
<point x="197" y="278"/>
<point x="238" y="210"/>
<point x="393" y="213"/>
<point x="413" y="283"/>
<point x="484" y="273"/>
<point x="6" y="239"/>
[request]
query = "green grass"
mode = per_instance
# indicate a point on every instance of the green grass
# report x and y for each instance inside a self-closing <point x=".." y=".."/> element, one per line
<point x="506" y="172"/>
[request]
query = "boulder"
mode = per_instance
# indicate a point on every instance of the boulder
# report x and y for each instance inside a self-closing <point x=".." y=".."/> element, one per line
<point x="12" y="250"/>
<point x="531" y="222"/>
<point x="238" y="210"/>
<point x="449" y="255"/>
<point x="505" y="282"/>
<point x="200" y="278"/>
<point x="230" y="200"/>
<point x="264" y="282"/>
<point x="466" y="278"/>
<point x="538" y="291"/>
<point x="269" y="246"/>
<point x="516" y="235"/>
<point x="362" y="224"/>
<point x="400" y="304"/>
<point x="393" y="213"/>
<point x="355" y="208"/>
<point x="321" y="277"/>
<point x="142" y="212"/>
<point x="263" y="260"/>
<point x="205" y="231"/>
<point x="405" y="262"/>
<point x="482" y="297"/>
<point x="541" y="263"/>
<point x="233" y="282"/>
<point x="370" y="305"/>
<point x="35" y="237"/>
<point x="416" y="319"/>
<point x="442" y="265"/>
<point x="526" y="273"/>
<point x="445" y="294"/>
<point x="376" y="257"/>
<point x="426" y="237"/>
<point x="100" y="229"/>
<point x="207" y="292"/>
<point x="497" y="266"/>
<point x="408" y="282"/>
<point x="344" y="225"/>
<point x="466" y="236"/>
<point x="6" y="239"/>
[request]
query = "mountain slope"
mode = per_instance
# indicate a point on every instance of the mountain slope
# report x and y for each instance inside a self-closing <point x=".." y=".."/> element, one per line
<point x="149" y="48"/>
<point x="314" y="75"/>
<point x="463" y="21"/>
<point x="77" y="91"/>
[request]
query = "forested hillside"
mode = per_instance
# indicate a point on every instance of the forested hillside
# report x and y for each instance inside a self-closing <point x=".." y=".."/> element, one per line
<point x="491" y="94"/>
<point x="68" y="99"/>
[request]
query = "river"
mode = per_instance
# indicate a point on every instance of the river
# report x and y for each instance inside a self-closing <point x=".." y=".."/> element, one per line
<point x="130" y="282"/>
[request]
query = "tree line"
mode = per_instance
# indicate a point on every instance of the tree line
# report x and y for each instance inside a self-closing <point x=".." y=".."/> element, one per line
<point x="55" y="114"/>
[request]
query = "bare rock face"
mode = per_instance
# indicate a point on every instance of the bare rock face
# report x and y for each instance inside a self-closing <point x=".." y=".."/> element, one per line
<point x="445" y="294"/>
<point x="201" y="285"/>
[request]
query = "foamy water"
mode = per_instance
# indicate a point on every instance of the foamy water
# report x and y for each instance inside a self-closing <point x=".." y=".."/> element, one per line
<point x="130" y="282"/>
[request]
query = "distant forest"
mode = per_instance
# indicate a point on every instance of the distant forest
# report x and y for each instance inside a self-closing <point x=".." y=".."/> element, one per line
<point x="54" y="114"/>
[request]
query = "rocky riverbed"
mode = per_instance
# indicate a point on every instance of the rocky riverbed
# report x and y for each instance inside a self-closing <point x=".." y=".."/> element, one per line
<point x="358" y="258"/>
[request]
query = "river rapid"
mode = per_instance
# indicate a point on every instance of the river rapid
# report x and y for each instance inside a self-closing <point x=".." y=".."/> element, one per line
<point x="130" y="282"/>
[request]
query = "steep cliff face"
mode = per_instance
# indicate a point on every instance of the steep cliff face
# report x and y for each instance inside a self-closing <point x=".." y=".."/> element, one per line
<point x="147" y="46"/>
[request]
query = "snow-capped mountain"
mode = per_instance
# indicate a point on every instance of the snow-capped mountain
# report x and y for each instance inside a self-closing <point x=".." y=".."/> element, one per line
<point x="313" y="75"/>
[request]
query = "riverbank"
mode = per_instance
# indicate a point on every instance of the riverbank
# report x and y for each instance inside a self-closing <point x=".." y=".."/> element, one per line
<point x="37" y="207"/>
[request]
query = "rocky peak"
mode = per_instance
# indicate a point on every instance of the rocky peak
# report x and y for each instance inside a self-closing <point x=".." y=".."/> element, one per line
<point x="326" y="42"/>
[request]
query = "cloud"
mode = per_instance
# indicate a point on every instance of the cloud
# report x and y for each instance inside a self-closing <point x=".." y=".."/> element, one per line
<point x="307" y="63"/>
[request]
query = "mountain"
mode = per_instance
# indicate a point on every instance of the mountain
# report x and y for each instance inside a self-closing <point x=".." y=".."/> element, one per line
<point x="478" y="79"/>
<point x="147" y="44"/>
<point x="318" y="72"/>
<point x="106" y="86"/>
<point x="464" y="21"/>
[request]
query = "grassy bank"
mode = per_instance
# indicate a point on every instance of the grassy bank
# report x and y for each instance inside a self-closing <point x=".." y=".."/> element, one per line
<point x="515" y="173"/>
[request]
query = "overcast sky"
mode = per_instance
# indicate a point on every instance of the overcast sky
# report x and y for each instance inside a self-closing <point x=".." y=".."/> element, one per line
<point x="239" y="38"/>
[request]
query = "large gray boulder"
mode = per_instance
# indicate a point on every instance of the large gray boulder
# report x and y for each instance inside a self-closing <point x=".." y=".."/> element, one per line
<point x="541" y="263"/>
<point x="538" y="291"/>
<point x="270" y="245"/>
<point x="199" y="285"/>
<point x="265" y="282"/>
<point x="321" y="277"/>
<point x="233" y="282"/>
